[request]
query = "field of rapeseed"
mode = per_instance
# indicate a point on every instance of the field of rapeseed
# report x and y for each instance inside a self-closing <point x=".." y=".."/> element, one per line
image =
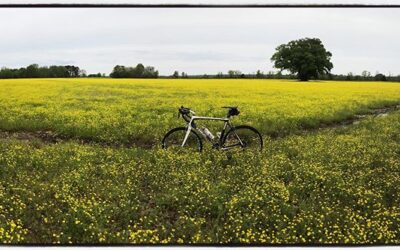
<point x="141" y="111"/>
<point x="337" y="185"/>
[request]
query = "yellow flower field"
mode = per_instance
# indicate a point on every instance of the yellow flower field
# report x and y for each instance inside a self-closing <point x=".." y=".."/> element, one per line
<point x="122" y="110"/>
<point x="336" y="185"/>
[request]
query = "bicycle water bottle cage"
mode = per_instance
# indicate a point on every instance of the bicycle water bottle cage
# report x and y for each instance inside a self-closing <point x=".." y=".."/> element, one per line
<point x="232" y="111"/>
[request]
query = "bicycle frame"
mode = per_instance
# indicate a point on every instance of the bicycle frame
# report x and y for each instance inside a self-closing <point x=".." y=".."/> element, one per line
<point x="226" y="124"/>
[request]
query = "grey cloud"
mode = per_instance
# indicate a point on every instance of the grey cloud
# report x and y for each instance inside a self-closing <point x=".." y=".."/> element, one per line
<point x="196" y="40"/>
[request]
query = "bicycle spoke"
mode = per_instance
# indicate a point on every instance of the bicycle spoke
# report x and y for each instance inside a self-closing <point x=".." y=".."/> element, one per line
<point x="243" y="138"/>
<point x="175" y="138"/>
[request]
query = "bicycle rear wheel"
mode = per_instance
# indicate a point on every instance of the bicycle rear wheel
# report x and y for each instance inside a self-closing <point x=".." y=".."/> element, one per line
<point x="174" y="138"/>
<point x="243" y="137"/>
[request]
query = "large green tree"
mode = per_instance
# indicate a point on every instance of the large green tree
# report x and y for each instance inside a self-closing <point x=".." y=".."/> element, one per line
<point x="305" y="57"/>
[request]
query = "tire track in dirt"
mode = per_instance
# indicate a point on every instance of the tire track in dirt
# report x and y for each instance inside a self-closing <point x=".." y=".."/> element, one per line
<point x="50" y="137"/>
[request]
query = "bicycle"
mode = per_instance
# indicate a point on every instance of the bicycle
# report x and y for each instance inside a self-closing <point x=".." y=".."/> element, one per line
<point x="243" y="136"/>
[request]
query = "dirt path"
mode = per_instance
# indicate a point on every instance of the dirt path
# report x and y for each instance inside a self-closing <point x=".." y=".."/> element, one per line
<point x="379" y="112"/>
<point x="50" y="137"/>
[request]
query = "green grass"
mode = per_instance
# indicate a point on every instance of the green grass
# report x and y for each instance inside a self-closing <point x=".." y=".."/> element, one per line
<point x="123" y="110"/>
<point x="336" y="185"/>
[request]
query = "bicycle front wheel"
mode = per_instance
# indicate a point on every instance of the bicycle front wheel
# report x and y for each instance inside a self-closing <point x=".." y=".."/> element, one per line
<point x="243" y="137"/>
<point x="174" y="138"/>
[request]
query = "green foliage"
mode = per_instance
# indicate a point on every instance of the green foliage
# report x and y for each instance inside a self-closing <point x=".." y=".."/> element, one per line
<point x="126" y="111"/>
<point x="380" y="77"/>
<point x="95" y="75"/>
<point x="336" y="186"/>
<point x="330" y="186"/>
<point x="305" y="57"/>
<point x="175" y="74"/>
<point x="235" y="74"/>
<point x="259" y="74"/>
<point x="140" y="71"/>
<point x="35" y="71"/>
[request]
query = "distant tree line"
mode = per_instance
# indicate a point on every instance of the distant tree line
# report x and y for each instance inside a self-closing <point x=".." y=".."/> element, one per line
<point x="236" y="74"/>
<point x="35" y="71"/>
<point x="232" y="74"/>
<point x="140" y="71"/>
<point x="97" y="75"/>
<point x="365" y="76"/>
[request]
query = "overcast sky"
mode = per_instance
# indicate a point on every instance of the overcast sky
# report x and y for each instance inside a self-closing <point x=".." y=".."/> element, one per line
<point x="196" y="40"/>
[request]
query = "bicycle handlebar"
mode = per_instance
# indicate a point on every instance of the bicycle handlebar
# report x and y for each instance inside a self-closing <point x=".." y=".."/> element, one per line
<point x="185" y="112"/>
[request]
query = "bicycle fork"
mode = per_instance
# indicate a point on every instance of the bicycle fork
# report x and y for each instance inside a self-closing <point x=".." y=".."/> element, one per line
<point x="187" y="134"/>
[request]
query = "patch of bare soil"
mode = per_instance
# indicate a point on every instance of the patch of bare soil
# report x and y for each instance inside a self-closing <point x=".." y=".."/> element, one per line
<point x="50" y="137"/>
<point x="44" y="136"/>
<point x="379" y="112"/>
<point x="357" y="118"/>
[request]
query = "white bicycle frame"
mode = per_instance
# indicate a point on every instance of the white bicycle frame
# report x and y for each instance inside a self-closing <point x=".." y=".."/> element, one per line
<point x="194" y="118"/>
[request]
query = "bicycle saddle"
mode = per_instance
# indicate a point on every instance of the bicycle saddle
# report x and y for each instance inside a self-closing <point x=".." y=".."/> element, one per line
<point x="232" y="111"/>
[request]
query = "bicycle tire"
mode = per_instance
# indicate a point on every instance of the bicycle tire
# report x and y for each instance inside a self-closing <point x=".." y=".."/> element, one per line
<point x="169" y="140"/>
<point x="253" y="138"/>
